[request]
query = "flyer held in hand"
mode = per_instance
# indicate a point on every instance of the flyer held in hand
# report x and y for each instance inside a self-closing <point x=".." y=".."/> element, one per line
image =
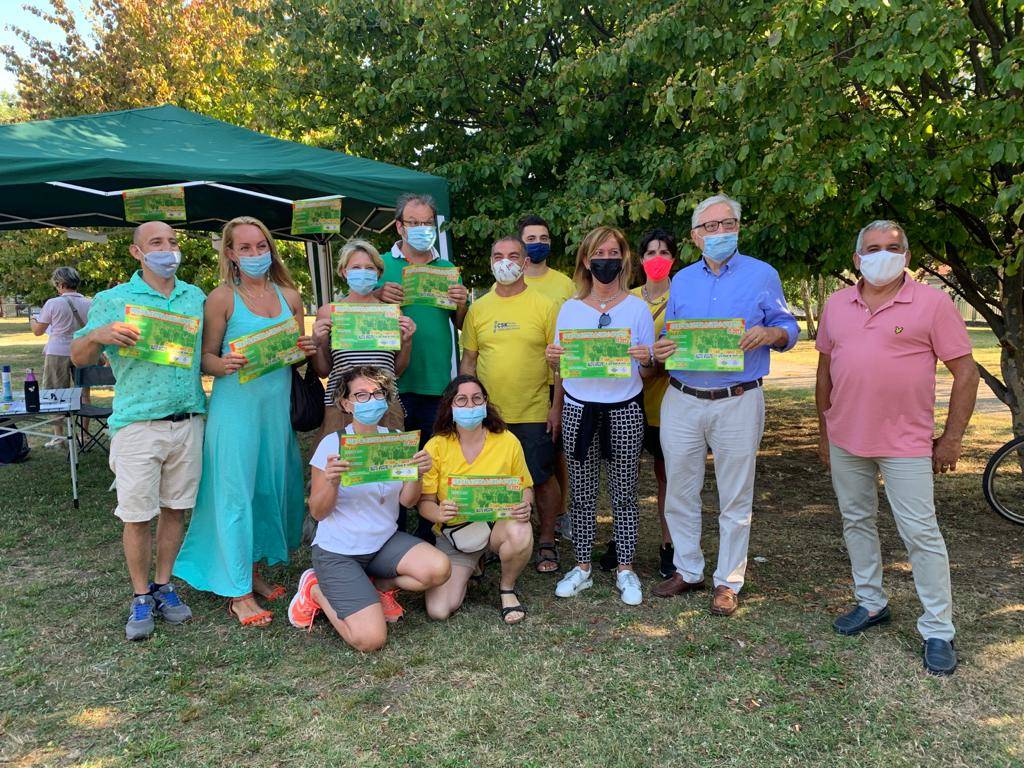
<point x="268" y="350"/>
<point x="706" y="344"/>
<point x="382" y="458"/>
<point x="427" y="285"/>
<point x="364" y="327"/>
<point x="484" y="497"/>
<point x="596" y="354"/>
<point x="165" y="338"/>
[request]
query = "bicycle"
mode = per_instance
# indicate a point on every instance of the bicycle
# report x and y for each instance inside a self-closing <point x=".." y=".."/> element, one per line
<point x="1003" y="481"/>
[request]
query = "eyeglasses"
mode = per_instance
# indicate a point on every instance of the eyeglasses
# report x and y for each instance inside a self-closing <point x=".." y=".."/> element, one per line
<point x="604" y="320"/>
<point x="729" y="225"/>
<point x="462" y="401"/>
<point x="364" y="397"/>
<point x="417" y="223"/>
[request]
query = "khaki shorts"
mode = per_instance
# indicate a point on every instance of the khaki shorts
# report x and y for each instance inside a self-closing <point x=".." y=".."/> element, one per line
<point x="56" y="372"/>
<point x="465" y="559"/>
<point x="156" y="464"/>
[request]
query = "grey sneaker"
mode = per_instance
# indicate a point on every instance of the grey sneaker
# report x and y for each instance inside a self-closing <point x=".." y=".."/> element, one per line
<point x="169" y="606"/>
<point x="140" y="620"/>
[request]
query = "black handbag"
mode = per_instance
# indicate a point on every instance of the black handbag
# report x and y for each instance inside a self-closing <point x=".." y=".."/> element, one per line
<point x="307" y="400"/>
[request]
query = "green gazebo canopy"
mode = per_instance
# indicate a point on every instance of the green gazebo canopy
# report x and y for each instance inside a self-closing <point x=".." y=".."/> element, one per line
<point x="52" y="171"/>
<point x="70" y="173"/>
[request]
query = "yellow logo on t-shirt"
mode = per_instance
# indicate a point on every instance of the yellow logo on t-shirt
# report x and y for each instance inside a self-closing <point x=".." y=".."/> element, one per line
<point x="899" y="329"/>
<point x="506" y="326"/>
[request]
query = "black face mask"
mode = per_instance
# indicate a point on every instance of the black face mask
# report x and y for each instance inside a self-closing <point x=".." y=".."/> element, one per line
<point x="605" y="270"/>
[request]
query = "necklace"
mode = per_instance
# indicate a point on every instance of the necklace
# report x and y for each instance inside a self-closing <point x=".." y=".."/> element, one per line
<point x="606" y="302"/>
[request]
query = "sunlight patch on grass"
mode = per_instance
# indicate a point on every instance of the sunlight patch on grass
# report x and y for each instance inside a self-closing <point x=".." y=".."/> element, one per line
<point x="95" y="718"/>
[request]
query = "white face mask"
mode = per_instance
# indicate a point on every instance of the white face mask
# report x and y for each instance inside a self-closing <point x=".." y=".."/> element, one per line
<point x="506" y="271"/>
<point x="882" y="267"/>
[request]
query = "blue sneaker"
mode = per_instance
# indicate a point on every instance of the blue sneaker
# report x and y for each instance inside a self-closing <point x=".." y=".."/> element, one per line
<point x="169" y="606"/>
<point x="140" y="620"/>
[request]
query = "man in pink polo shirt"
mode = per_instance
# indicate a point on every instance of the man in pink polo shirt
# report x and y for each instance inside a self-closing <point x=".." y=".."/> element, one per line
<point x="878" y="342"/>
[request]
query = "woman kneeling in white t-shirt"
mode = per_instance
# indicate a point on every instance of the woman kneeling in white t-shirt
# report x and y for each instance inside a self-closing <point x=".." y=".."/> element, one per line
<point x="360" y="558"/>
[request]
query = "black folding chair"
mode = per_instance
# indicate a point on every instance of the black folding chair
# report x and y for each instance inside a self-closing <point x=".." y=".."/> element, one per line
<point x="91" y="420"/>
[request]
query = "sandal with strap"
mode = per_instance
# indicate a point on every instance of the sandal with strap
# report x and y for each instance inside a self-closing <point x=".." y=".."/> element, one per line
<point x="261" y="619"/>
<point x="506" y="610"/>
<point x="277" y="591"/>
<point x="547" y="546"/>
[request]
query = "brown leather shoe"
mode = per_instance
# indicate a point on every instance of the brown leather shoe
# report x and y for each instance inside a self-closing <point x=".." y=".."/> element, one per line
<point x="724" y="601"/>
<point x="676" y="585"/>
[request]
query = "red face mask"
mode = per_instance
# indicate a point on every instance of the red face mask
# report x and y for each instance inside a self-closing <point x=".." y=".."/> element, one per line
<point x="658" y="267"/>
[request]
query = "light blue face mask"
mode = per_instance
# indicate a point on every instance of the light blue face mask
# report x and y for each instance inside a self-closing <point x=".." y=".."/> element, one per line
<point x="255" y="266"/>
<point x="371" y="412"/>
<point x="361" y="281"/>
<point x="162" y="263"/>
<point x="421" y="238"/>
<point x="718" y="248"/>
<point x="470" y="417"/>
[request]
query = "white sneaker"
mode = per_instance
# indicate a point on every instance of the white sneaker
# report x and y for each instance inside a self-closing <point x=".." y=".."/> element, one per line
<point x="629" y="587"/>
<point x="55" y="442"/>
<point x="574" y="582"/>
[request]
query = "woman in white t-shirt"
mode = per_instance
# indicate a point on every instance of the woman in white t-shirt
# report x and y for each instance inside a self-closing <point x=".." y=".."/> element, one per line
<point x="360" y="558"/>
<point x="603" y="418"/>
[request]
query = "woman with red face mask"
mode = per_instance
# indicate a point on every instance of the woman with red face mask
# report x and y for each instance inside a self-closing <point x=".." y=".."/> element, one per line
<point x="658" y="254"/>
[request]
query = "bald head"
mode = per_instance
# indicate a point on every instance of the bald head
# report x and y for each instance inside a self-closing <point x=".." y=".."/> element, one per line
<point x="152" y="230"/>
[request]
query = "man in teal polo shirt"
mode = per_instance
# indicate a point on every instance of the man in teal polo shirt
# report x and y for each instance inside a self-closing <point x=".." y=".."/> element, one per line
<point x="432" y="362"/>
<point x="156" y="444"/>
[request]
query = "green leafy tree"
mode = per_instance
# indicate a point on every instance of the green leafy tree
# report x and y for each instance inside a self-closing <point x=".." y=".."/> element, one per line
<point x="819" y="116"/>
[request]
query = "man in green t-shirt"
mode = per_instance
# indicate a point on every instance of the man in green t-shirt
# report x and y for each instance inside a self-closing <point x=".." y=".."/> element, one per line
<point x="433" y="358"/>
<point x="432" y="362"/>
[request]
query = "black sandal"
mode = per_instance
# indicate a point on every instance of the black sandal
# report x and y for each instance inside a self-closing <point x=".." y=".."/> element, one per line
<point x="547" y="546"/>
<point x="506" y="610"/>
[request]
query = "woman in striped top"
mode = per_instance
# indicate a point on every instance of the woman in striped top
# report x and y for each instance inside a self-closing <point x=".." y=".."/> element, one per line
<point x="361" y="266"/>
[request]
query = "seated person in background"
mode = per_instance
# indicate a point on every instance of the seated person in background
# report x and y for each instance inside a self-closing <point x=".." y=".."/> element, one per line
<point x="471" y="439"/>
<point x="360" y="558"/>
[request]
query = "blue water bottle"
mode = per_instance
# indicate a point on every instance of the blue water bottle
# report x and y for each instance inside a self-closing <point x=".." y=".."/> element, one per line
<point x="8" y="393"/>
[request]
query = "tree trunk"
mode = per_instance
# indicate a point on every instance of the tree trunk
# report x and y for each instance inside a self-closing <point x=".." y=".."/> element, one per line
<point x="805" y="293"/>
<point x="1011" y="360"/>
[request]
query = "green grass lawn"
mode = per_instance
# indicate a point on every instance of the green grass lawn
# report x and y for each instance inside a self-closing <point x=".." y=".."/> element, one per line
<point x="581" y="682"/>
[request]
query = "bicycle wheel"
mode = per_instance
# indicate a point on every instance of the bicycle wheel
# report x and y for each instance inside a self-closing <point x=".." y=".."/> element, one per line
<point x="1003" y="481"/>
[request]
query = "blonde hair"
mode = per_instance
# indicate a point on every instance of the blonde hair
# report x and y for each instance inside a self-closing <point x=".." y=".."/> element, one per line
<point x="279" y="273"/>
<point x="354" y="245"/>
<point x="583" y="278"/>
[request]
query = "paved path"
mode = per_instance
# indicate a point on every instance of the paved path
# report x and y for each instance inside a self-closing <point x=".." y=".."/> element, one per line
<point x="789" y="375"/>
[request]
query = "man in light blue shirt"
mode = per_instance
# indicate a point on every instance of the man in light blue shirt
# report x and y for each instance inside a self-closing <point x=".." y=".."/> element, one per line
<point x="723" y="409"/>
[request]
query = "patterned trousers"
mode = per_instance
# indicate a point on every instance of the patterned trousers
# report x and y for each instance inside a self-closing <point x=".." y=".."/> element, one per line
<point x="627" y="437"/>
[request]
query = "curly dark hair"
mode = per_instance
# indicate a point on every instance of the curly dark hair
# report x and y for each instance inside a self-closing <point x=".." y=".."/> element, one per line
<point x="445" y="423"/>
<point x="378" y="376"/>
<point x="658" y="234"/>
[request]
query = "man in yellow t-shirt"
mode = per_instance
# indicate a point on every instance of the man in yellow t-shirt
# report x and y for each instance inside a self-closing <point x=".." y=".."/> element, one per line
<point x="536" y="234"/>
<point x="504" y="337"/>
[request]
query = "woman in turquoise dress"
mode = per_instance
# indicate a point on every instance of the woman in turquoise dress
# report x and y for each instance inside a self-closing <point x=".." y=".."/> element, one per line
<point x="250" y="505"/>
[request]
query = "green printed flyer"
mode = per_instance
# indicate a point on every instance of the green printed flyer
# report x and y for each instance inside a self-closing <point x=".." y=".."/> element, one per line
<point x="596" y="354"/>
<point x="706" y="344"/>
<point x="311" y="217"/>
<point x="484" y="497"/>
<point x="268" y="350"/>
<point x="165" y="338"/>
<point x="427" y="285"/>
<point x="365" y="327"/>
<point x="382" y="458"/>
<point x="154" y="204"/>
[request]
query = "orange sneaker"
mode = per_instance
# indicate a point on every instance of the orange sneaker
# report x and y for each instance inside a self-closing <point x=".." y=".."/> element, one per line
<point x="303" y="609"/>
<point x="392" y="610"/>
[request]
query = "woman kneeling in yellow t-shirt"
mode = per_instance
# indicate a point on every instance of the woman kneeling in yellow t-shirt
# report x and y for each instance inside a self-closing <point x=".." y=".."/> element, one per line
<point x="471" y="439"/>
